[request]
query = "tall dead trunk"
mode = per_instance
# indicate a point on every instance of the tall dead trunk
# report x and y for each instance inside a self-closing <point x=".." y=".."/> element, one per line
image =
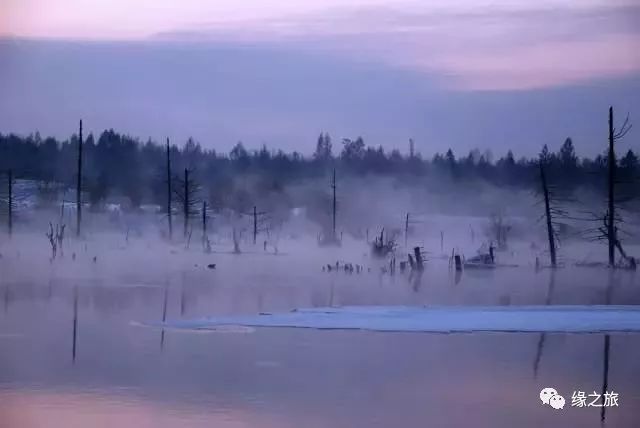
<point x="10" y="203"/>
<point x="185" y="208"/>
<point x="204" y="221"/>
<point x="406" y="228"/>
<point x="255" y="224"/>
<point x="333" y="187"/>
<point x="169" y="190"/>
<point x="547" y="211"/>
<point x="79" y="184"/>
<point x="611" y="229"/>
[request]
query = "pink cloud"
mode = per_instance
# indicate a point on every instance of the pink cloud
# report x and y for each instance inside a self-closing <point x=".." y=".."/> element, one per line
<point x="487" y="49"/>
<point x="473" y="45"/>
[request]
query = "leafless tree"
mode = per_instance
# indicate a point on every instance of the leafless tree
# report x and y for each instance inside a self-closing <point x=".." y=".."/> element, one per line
<point x="609" y="226"/>
<point x="553" y="199"/>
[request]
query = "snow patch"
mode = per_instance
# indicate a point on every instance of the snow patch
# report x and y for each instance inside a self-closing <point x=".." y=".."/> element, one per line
<point x="443" y="319"/>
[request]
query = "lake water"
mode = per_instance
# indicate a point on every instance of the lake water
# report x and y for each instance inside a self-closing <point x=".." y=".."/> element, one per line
<point x="118" y="373"/>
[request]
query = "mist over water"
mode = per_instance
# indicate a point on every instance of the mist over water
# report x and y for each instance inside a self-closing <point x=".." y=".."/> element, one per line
<point x="122" y="273"/>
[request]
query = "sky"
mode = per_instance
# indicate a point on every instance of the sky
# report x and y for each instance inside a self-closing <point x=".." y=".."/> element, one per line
<point x="448" y="73"/>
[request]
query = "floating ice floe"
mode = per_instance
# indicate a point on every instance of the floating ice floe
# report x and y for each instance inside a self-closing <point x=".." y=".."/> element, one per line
<point x="437" y="319"/>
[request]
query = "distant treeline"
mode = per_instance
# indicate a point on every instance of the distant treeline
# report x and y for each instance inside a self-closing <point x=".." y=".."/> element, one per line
<point x="119" y="166"/>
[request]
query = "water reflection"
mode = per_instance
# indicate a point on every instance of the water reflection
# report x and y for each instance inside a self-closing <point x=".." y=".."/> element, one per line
<point x="543" y="336"/>
<point x="75" y="323"/>
<point x="121" y="376"/>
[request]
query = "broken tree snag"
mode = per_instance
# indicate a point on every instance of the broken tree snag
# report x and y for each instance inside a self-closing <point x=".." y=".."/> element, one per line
<point x="380" y="247"/>
<point x="418" y="256"/>
<point x="547" y="210"/>
<point x="458" y="261"/>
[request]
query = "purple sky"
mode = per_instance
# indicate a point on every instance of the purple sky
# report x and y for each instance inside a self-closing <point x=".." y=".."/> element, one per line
<point x="449" y="73"/>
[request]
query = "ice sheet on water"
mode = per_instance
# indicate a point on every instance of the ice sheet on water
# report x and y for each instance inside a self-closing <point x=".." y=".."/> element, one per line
<point x="443" y="319"/>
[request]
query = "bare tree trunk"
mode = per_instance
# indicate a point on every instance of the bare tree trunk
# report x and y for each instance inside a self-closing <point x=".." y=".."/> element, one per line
<point x="204" y="221"/>
<point x="547" y="211"/>
<point x="79" y="184"/>
<point x="169" y="190"/>
<point x="333" y="186"/>
<point x="418" y="256"/>
<point x="185" y="208"/>
<point x="406" y="225"/>
<point x="255" y="224"/>
<point x="10" y="205"/>
<point x="611" y="230"/>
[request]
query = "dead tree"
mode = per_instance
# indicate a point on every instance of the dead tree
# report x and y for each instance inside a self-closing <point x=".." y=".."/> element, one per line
<point x="186" y="206"/>
<point x="331" y="237"/>
<point x="419" y="259"/>
<point x="206" y="244"/>
<point x="169" y="190"/>
<point x="612" y="237"/>
<point x="79" y="184"/>
<point x="611" y="213"/>
<point x="204" y="220"/>
<point x="409" y="221"/>
<point x="334" y="205"/>
<point x="187" y="195"/>
<point x="406" y="219"/>
<point x="258" y="220"/>
<point x="547" y="213"/>
<point x="255" y="224"/>
<point x="611" y="221"/>
<point x="552" y="211"/>
<point x="10" y="202"/>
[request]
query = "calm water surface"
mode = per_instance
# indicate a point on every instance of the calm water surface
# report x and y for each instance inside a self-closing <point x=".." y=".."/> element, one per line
<point x="126" y="375"/>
